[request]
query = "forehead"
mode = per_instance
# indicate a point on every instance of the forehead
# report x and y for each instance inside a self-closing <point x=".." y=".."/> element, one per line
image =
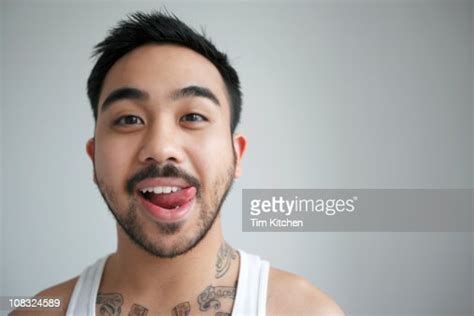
<point x="161" y="68"/>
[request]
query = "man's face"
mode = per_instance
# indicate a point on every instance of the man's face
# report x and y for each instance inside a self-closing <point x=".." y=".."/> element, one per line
<point x="164" y="157"/>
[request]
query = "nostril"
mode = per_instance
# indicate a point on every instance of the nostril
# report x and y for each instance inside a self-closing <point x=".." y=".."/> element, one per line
<point x="169" y="159"/>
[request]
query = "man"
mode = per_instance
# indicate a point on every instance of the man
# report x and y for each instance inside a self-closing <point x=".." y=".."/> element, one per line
<point x="165" y="152"/>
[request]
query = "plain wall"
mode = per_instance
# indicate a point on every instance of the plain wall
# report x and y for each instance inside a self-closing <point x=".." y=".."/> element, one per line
<point x="2" y="230"/>
<point x="340" y="94"/>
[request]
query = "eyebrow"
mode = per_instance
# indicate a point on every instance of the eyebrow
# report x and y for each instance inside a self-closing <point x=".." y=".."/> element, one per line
<point x="125" y="93"/>
<point x="195" y="91"/>
<point x="128" y="93"/>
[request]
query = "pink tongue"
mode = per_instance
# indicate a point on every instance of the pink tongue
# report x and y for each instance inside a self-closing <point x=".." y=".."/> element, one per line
<point x="172" y="200"/>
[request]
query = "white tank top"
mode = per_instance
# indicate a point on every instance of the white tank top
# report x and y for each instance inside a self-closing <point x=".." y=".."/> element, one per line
<point x="250" y="298"/>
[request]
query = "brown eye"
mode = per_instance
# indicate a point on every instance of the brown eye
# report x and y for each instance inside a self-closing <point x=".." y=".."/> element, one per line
<point x="193" y="117"/>
<point x="128" y="120"/>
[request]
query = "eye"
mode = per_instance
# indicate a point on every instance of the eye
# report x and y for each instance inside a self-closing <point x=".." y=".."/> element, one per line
<point x="193" y="117"/>
<point x="128" y="120"/>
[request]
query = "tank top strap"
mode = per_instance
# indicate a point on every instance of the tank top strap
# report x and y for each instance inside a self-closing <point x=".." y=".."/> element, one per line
<point x="84" y="295"/>
<point x="251" y="296"/>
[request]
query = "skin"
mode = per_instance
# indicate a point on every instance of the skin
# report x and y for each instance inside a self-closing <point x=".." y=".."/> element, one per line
<point x="203" y="280"/>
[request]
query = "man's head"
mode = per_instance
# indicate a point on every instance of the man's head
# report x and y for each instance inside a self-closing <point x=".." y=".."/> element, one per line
<point x="166" y="104"/>
<point x="158" y="28"/>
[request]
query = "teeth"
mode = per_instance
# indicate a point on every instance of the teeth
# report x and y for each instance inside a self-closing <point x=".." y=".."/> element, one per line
<point x="160" y="190"/>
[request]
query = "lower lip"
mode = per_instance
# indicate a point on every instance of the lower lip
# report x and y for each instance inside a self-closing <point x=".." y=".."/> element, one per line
<point x="166" y="215"/>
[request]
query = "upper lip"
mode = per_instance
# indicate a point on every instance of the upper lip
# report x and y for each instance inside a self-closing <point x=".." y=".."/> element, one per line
<point x="162" y="182"/>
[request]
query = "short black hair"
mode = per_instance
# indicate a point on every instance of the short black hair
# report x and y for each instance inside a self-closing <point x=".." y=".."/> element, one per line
<point x="160" y="28"/>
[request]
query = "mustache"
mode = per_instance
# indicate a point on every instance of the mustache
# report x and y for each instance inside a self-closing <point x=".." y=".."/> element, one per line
<point x="155" y="171"/>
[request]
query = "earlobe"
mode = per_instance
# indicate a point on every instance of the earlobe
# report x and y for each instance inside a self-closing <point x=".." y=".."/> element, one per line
<point x="240" y="145"/>
<point x="90" y="148"/>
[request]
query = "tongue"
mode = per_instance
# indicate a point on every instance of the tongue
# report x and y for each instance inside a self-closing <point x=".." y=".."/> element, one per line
<point x="172" y="200"/>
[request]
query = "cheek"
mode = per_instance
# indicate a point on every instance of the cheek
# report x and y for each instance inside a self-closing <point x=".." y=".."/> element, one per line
<point x="112" y="160"/>
<point x="211" y="156"/>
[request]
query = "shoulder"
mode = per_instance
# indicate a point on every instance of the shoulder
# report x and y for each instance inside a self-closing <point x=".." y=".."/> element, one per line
<point x="62" y="290"/>
<point x="289" y="294"/>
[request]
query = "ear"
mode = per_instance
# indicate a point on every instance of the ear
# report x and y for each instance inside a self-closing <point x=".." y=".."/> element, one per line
<point x="90" y="146"/>
<point x="240" y="145"/>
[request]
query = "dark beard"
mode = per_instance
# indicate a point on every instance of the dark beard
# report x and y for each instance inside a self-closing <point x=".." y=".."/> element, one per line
<point x="208" y="213"/>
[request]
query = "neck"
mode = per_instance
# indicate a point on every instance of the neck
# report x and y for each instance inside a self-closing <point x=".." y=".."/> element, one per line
<point x="134" y="271"/>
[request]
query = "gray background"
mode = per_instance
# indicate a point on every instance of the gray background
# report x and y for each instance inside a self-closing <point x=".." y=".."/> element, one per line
<point x="337" y="94"/>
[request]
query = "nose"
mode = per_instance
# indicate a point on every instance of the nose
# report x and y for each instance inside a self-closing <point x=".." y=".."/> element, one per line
<point x="161" y="144"/>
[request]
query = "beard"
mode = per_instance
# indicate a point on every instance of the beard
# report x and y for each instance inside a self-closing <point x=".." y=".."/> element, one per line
<point x="133" y="224"/>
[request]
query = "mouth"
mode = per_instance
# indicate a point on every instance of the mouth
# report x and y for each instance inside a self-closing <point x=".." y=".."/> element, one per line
<point x="167" y="203"/>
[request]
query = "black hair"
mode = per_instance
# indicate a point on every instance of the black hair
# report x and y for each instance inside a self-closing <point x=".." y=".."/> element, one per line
<point x="160" y="28"/>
